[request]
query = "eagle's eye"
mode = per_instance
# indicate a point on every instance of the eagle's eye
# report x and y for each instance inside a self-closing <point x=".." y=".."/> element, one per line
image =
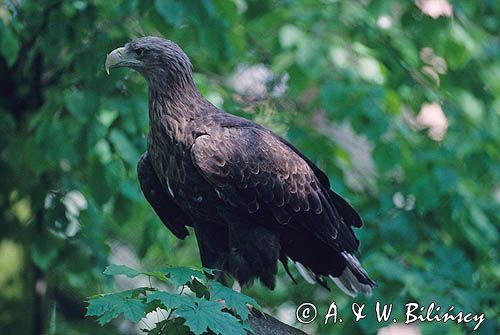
<point x="139" y="52"/>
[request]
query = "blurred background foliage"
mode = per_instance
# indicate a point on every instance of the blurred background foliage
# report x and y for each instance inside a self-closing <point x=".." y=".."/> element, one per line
<point x="398" y="101"/>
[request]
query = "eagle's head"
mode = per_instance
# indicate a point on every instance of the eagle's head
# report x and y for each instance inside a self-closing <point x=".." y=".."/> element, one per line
<point x="156" y="58"/>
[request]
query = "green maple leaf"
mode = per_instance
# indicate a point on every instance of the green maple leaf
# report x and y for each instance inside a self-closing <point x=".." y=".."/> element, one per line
<point x="171" y="300"/>
<point x="133" y="309"/>
<point x="98" y="305"/>
<point x="182" y="275"/>
<point x="204" y="314"/>
<point x="108" y="316"/>
<point x="199" y="289"/>
<point x="109" y="306"/>
<point x="177" y="275"/>
<point x="233" y="299"/>
<point x="114" y="270"/>
<point x="170" y="327"/>
<point x="158" y="275"/>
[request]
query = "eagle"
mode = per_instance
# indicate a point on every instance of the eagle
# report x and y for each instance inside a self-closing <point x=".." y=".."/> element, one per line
<point x="251" y="197"/>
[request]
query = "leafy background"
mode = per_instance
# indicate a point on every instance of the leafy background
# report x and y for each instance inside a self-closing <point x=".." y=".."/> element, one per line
<point x="398" y="101"/>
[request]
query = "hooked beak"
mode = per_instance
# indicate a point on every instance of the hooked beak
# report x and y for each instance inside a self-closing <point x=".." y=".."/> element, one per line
<point x="114" y="59"/>
<point x="118" y="58"/>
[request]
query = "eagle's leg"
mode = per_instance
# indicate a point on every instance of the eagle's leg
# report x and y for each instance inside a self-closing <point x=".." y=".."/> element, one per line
<point x="212" y="243"/>
<point x="254" y="249"/>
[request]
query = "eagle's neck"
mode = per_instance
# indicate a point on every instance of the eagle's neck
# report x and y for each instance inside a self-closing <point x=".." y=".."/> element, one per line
<point x="172" y="107"/>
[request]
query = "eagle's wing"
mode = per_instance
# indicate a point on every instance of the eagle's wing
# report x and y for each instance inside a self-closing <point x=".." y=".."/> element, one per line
<point x="169" y="212"/>
<point x="346" y="211"/>
<point x="253" y="169"/>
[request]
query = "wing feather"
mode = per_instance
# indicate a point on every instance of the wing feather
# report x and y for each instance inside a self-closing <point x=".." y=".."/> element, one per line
<point x="261" y="173"/>
<point x="172" y="216"/>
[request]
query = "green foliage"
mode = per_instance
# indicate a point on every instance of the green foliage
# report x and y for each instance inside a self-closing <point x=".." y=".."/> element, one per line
<point x="108" y="307"/>
<point x="233" y="300"/>
<point x="187" y="313"/>
<point x="70" y="137"/>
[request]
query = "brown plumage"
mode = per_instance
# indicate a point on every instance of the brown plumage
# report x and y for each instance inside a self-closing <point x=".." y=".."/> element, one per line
<point x="251" y="197"/>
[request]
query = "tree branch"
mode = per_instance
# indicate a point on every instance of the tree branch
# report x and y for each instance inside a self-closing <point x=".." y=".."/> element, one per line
<point x="265" y="324"/>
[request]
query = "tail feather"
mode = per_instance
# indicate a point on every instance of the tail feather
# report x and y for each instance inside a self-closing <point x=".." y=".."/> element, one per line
<point x="354" y="278"/>
<point x="307" y="274"/>
<point x="345" y="287"/>
<point x="352" y="281"/>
